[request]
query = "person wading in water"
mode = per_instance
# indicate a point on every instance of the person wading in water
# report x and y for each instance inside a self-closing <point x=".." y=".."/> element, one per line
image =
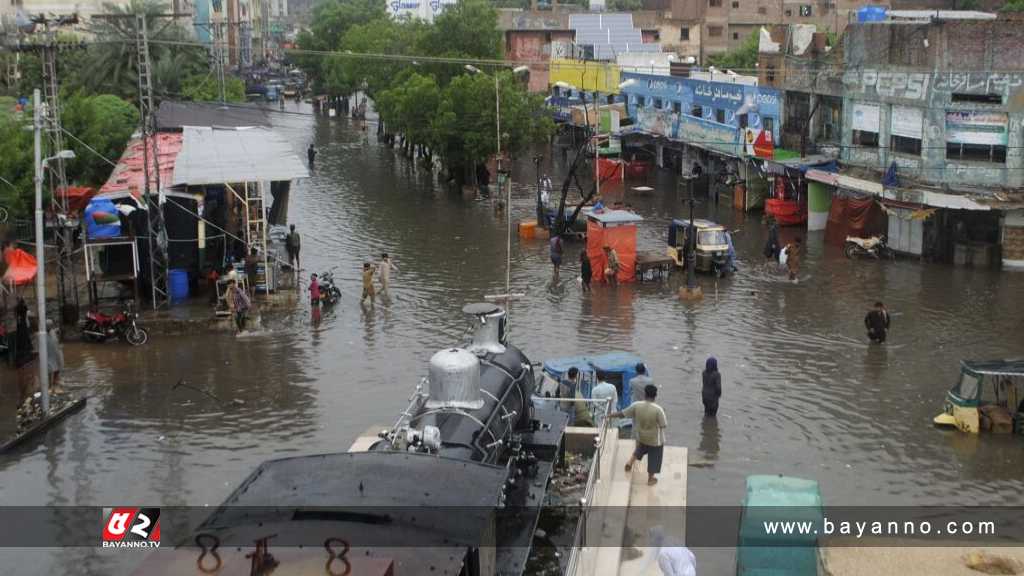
<point x="711" y="387"/>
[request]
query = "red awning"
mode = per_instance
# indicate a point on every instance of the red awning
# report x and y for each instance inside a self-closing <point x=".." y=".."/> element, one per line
<point x="78" y="197"/>
<point x="21" y="267"/>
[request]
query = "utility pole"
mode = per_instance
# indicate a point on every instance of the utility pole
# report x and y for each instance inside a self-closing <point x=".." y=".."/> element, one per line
<point x="692" y="291"/>
<point x="218" y="54"/>
<point x="48" y="47"/>
<point x="44" y="375"/>
<point x="58" y="196"/>
<point x="157" y="232"/>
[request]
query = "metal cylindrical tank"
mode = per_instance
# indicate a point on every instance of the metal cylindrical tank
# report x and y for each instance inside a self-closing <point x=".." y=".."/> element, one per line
<point x="454" y="378"/>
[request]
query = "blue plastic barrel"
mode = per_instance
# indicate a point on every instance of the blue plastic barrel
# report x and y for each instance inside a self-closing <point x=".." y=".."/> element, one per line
<point x="871" y="14"/>
<point x="177" y="284"/>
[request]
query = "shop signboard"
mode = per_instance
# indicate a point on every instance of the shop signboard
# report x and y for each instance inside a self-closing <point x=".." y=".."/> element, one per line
<point x="865" y="117"/>
<point x="976" y="127"/>
<point x="907" y="121"/>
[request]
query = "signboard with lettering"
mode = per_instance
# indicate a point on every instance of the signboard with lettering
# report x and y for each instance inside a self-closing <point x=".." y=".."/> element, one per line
<point x="740" y="104"/>
<point x="718" y="95"/>
<point x="906" y="121"/>
<point x="423" y="9"/>
<point x="976" y="127"/>
<point x="865" y="117"/>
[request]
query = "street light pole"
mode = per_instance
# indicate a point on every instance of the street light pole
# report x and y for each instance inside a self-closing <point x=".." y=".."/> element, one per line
<point x="692" y="290"/>
<point x="44" y="376"/>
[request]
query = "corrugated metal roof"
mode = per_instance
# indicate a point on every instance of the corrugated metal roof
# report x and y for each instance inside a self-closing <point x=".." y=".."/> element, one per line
<point x="176" y="115"/>
<point x="615" y="217"/>
<point x="127" y="177"/>
<point x="217" y="156"/>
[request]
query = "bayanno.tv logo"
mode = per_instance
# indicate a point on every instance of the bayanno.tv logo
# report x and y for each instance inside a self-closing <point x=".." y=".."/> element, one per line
<point x="131" y="527"/>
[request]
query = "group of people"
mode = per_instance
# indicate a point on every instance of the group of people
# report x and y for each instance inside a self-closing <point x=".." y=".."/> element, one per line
<point x="611" y="267"/>
<point x="381" y="269"/>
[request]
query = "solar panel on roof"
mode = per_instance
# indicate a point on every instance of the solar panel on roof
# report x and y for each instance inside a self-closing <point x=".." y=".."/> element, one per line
<point x="609" y="34"/>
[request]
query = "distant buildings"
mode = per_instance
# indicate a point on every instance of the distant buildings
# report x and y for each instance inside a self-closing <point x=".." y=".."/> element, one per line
<point x="926" y="116"/>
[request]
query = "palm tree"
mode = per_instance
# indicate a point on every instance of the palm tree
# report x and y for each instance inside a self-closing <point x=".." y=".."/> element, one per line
<point x="112" y="63"/>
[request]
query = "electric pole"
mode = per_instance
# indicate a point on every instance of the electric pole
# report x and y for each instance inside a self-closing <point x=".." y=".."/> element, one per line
<point x="157" y="232"/>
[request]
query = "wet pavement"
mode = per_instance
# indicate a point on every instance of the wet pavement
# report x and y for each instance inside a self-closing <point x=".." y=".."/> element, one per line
<point x="804" y="394"/>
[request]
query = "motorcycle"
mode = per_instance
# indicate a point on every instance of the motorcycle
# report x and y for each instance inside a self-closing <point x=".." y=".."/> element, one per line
<point x="329" y="292"/>
<point x="876" y="247"/>
<point x="99" y="327"/>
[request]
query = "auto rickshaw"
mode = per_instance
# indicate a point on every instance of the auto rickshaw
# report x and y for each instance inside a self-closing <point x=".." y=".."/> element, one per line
<point x="989" y="395"/>
<point x="781" y="499"/>
<point x="712" y="245"/>
<point x="617" y="368"/>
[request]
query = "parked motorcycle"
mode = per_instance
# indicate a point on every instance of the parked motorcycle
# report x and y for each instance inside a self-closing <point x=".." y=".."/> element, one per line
<point x="329" y="292"/>
<point x="99" y="327"/>
<point x="875" y="247"/>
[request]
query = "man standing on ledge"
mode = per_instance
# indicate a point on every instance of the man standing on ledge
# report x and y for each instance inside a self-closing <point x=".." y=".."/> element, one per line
<point x="649" y="424"/>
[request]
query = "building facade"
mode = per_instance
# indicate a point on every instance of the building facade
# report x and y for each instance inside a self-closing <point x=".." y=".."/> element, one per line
<point x="928" y="116"/>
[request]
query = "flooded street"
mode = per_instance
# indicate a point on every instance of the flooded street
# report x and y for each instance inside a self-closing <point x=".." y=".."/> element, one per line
<point x="803" y="392"/>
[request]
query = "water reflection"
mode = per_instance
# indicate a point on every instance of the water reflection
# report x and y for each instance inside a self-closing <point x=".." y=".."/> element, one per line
<point x="710" y="437"/>
<point x="804" y="395"/>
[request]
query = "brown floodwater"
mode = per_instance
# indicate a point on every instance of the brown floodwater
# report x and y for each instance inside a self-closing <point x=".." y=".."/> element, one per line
<point x="804" y="394"/>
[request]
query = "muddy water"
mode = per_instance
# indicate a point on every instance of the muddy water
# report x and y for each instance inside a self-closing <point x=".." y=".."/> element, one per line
<point x="804" y="394"/>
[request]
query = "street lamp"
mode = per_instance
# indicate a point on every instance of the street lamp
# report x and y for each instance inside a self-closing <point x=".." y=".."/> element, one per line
<point x="692" y="291"/>
<point x="508" y="198"/>
<point x="40" y="165"/>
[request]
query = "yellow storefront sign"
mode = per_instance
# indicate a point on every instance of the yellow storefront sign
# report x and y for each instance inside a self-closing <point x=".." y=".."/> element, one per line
<point x="586" y="75"/>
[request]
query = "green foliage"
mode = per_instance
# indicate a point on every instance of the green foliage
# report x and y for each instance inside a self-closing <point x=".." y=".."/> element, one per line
<point x="743" y="58"/>
<point x="104" y="122"/>
<point x="625" y="5"/>
<point x="111" y="62"/>
<point x="16" y="152"/>
<point x="206" y="88"/>
<point x="1013" y="6"/>
<point x="332" y="19"/>
<point x="467" y="29"/>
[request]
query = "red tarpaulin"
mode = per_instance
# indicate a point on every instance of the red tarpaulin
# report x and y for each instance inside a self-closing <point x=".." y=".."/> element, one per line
<point x="78" y="197"/>
<point x="622" y="239"/>
<point x="611" y="169"/>
<point x="860" y="217"/>
<point x="21" y="267"/>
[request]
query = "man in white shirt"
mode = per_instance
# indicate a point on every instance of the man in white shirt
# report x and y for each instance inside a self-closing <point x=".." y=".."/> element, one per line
<point x="604" y="391"/>
<point x="384" y="269"/>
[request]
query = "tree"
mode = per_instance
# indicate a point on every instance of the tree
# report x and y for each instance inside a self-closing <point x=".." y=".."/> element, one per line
<point x="104" y="122"/>
<point x="625" y="5"/>
<point x="464" y="127"/>
<point x="467" y="29"/>
<point x="206" y="88"/>
<point x="332" y="19"/>
<point x="111" y="65"/>
<point x="744" y="57"/>
<point x="1013" y="6"/>
<point x="16" y="157"/>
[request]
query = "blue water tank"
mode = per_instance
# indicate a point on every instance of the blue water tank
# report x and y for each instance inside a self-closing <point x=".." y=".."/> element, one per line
<point x="871" y="14"/>
<point x="177" y="284"/>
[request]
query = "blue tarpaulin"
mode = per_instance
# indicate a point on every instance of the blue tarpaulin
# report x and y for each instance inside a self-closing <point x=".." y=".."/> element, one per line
<point x="102" y="219"/>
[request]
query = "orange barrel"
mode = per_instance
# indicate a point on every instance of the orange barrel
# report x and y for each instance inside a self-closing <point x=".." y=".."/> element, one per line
<point x="527" y="229"/>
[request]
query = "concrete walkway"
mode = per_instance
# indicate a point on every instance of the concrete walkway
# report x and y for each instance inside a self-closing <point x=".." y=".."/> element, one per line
<point x="625" y="508"/>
